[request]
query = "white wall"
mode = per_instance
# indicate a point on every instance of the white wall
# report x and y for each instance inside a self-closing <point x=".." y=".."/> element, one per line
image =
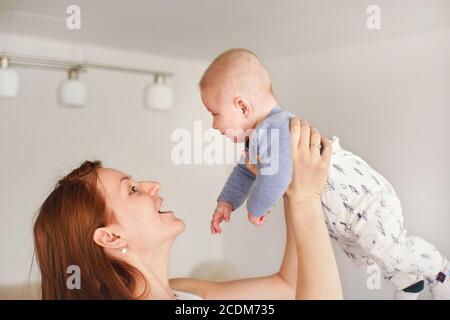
<point x="41" y="141"/>
<point x="389" y="102"/>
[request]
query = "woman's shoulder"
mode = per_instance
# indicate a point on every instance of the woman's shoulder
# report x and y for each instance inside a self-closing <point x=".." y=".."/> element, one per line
<point x="181" y="295"/>
<point x="196" y="287"/>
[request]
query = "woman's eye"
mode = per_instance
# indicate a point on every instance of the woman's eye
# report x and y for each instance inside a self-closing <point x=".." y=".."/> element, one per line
<point x="133" y="189"/>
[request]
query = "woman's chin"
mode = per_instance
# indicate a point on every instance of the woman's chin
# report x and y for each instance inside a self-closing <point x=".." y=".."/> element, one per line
<point x="180" y="225"/>
<point x="169" y="217"/>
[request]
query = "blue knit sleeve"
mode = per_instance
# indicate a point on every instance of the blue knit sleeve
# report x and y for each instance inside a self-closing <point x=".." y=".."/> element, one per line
<point x="275" y="166"/>
<point x="238" y="185"/>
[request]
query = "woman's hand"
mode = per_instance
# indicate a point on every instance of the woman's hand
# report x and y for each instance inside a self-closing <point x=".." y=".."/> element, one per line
<point x="309" y="166"/>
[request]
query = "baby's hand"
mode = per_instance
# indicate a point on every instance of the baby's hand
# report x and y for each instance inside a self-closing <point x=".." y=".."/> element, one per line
<point x="257" y="221"/>
<point x="222" y="212"/>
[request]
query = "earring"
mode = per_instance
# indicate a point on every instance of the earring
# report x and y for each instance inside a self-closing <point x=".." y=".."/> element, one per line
<point x="124" y="249"/>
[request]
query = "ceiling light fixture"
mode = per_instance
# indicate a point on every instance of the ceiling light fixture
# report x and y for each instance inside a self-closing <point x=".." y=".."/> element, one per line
<point x="73" y="92"/>
<point x="159" y="96"/>
<point x="9" y="80"/>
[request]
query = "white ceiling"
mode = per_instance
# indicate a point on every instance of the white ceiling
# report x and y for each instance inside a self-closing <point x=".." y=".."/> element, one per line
<point x="200" y="29"/>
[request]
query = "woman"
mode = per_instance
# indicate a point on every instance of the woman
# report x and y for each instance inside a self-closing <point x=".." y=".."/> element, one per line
<point x="113" y="229"/>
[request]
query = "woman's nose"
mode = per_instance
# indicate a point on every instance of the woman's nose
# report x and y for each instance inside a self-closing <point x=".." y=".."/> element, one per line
<point x="152" y="187"/>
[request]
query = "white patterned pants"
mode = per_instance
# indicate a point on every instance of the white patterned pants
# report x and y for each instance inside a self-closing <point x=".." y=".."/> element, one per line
<point x="364" y="215"/>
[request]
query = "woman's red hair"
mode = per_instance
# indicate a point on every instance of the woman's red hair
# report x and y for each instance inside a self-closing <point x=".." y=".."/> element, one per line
<point x="63" y="236"/>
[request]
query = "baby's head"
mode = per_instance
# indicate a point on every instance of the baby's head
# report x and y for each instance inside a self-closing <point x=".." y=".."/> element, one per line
<point x="237" y="90"/>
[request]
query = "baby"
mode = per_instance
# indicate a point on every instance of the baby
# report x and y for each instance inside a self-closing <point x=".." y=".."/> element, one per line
<point x="362" y="211"/>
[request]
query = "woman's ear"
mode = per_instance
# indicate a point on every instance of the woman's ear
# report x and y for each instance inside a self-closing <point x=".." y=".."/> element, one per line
<point x="244" y="105"/>
<point x="106" y="238"/>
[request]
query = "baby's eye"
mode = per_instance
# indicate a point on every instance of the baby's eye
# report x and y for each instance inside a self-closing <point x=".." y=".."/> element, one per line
<point x="133" y="189"/>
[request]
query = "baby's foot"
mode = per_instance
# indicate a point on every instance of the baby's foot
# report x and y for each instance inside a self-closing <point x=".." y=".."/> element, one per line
<point x="257" y="221"/>
<point x="440" y="286"/>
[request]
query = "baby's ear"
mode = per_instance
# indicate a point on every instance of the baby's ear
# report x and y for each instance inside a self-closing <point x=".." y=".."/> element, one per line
<point x="244" y="105"/>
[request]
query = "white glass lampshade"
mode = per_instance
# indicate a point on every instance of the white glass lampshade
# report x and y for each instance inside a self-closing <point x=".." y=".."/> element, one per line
<point x="9" y="80"/>
<point x="73" y="92"/>
<point x="159" y="96"/>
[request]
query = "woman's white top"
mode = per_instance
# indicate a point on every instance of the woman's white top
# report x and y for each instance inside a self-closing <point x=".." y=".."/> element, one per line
<point x="181" y="295"/>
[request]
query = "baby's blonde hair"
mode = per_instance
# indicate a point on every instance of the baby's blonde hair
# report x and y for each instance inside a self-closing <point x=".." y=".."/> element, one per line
<point x="237" y="63"/>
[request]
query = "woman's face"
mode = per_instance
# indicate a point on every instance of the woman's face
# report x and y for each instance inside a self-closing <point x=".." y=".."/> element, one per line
<point x="136" y="207"/>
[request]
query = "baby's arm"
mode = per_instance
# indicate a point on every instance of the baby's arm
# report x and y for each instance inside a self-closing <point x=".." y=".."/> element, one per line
<point x="275" y="169"/>
<point x="237" y="187"/>
<point x="235" y="191"/>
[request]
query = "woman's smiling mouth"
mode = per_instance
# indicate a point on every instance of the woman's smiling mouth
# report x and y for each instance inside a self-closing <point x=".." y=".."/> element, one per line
<point x="161" y="211"/>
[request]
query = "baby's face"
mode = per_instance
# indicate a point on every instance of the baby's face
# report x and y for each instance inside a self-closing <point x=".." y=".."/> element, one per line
<point x="228" y="118"/>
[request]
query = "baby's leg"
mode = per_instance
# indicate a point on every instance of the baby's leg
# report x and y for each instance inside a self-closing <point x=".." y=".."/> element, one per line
<point x="363" y="260"/>
<point x="404" y="258"/>
<point x="361" y="207"/>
